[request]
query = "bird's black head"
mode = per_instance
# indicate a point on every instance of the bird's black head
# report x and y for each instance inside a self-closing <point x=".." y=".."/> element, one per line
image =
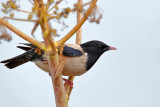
<point x="96" y="47"/>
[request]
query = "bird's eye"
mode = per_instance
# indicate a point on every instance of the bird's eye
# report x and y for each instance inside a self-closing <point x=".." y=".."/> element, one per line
<point x="101" y="47"/>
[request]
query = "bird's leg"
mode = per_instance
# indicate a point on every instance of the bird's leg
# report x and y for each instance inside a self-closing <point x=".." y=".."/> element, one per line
<point x="70" y="83"/>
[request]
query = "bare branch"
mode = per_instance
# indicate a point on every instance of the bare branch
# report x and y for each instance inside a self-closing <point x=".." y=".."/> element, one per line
<point x="21" y="34"/>
<point x="25" y="11"/>
<point x="17" y="19"/>
<point x="83" y="19"/>
<point x="53" y="58"/>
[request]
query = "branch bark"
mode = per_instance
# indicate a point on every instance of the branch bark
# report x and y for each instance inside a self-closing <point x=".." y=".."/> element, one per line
<point x="79" y="32"/>
<point x="53" y="58"/>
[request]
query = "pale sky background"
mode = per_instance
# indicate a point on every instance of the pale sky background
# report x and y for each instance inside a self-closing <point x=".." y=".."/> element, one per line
<point x="128" y="77"/>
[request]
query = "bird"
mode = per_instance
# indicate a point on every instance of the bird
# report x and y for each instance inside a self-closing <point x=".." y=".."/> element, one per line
<point x="79" y="58"/>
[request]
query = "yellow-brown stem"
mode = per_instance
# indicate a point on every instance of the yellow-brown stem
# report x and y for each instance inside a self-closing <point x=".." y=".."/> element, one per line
<point x="83" y="19"/>
<point x="25" y="11"/>
<point x="85" y="4"/>
<point x="31" y="2"/>
<point x="34" y="28"/>
<point x="21" y="34"/>
<point x="79" y="32"/>
<point x="59" y="90"/>
<point x="18" y="19"/>
<point x="58" y="2"/>
<point x="53" y="58"/>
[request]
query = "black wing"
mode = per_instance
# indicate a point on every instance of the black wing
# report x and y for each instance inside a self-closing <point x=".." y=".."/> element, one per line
<point x="68" y="51"/>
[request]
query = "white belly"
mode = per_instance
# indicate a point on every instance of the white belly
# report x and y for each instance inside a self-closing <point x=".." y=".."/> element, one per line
<point x="74" y="66"/>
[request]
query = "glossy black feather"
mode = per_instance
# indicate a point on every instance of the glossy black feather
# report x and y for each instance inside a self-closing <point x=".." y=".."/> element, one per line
<point x="28" y="44"/>
<point x="16" y="61"/>
<point x="94" y="49"/>
<point x="24" y="48"/>
<point x="68" y="51"/>
<point x="12" y="64"/>
<point x="23" y="58"/>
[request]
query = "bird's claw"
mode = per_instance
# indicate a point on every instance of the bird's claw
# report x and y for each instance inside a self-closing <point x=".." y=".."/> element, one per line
<point x="70" y="83"/>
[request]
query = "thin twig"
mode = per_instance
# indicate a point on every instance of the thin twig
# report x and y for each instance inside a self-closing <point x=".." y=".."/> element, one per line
<point x="52" y="17"/>
<point x="79" y="32"/>
<point x="31" y="2"/>
<point x="34" y="29"/>
<point x="25" y="11"/>
<point x="58" y="2"/>
<point x="53" y="59"/>
<point x="72" y="10"/>
<point x="85" y="4"/>
<point x="21" y="34"/>
<point x="18" y="19"/>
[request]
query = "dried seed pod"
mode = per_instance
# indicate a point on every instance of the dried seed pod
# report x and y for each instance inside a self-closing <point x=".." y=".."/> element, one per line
<point x="12" y="15"/>
<point x="96" y="14"/>
<point x="30" y="16"/>
<point x="4" y="35"/>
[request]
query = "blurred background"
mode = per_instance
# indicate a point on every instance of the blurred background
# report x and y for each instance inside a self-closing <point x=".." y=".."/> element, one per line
<point x="127" y="77"/>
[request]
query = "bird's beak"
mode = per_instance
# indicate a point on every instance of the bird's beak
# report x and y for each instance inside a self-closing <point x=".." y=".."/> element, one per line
<point x="112" y="48"/>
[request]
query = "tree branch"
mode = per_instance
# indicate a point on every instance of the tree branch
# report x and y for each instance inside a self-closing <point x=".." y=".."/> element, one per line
<point x="83" y="19"/>
<point x="79" y="32"/>
<point x="21" y="34"/>
<point x="53" y="58"/>
<point x="28" y="20"/>
<point x="25" y="11"/>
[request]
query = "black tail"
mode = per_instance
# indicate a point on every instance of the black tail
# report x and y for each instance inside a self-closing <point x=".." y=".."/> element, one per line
<point x="29" y="55"/>
<point x="29" y="46"/>
<point x="15" y="61"/>
<point x="24" y="48"/>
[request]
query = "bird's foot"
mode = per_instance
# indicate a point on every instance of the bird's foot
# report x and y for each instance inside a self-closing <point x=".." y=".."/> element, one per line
<point x="70" y="83"/>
